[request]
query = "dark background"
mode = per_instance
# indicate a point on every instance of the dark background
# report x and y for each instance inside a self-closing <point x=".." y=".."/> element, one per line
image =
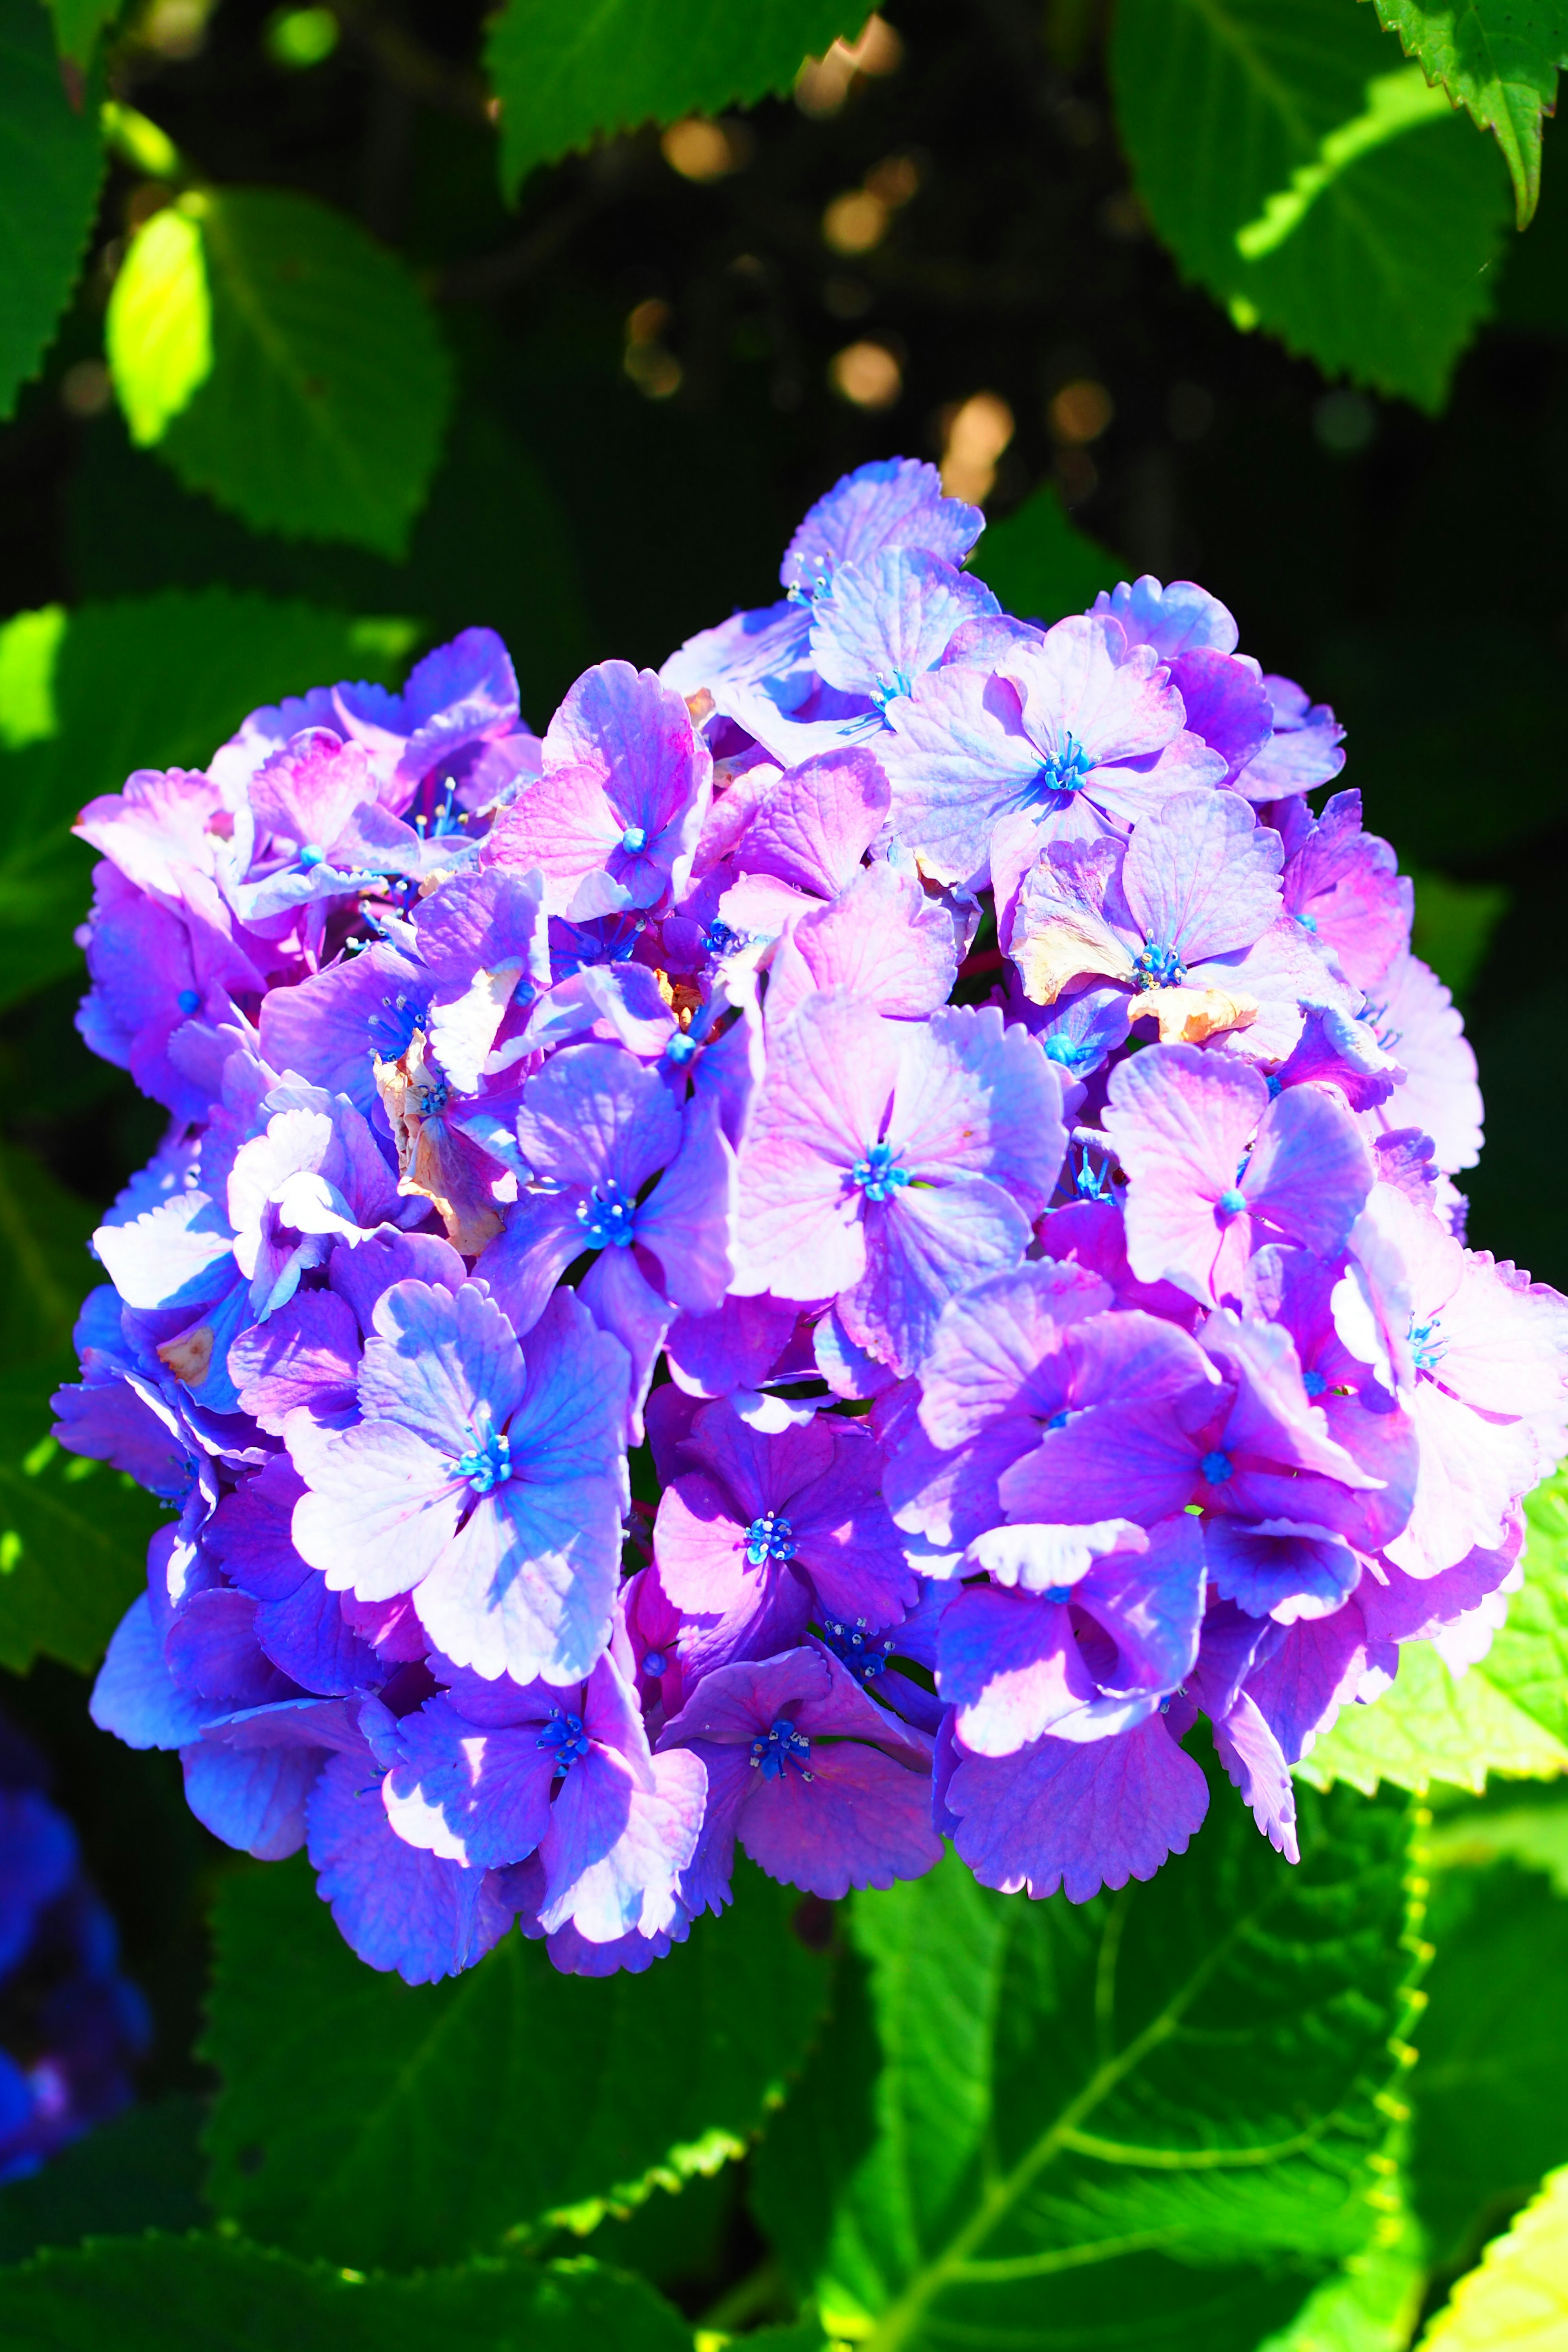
<point x="1405" y="567"/>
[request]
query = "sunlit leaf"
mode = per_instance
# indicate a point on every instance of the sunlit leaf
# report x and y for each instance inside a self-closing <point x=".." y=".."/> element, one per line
<point x="256" y="344"/>
<point x="218" y="2295"/>
<point x="1311" y="182"/>
<point x="383" y="2123"/>
<point x="1506" y="1715"/>
<point x="51" y="161"/>
<point x="1148" y="2120"/>
<point x="563" y="70"/>
<point x="1498" y="59"/>
<point x="1516" y="2301"/>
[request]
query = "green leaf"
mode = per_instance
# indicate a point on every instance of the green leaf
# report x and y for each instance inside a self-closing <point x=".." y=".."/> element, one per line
<point x="252" y="336"/>
<point x="79" y="24"/>
<point x="380" y="2123"/>
<point x="1041" y="565"/>
<point x="140" y="2170"/>
<point x="1506" y="1715"/>
<point x="158" y="331"/>
<point x="51" y="161"/>
<point x="156" y="681"/>
<point x="565" y="70"/>
<point x="1518" y="2299"/>
<point x="1307" y="186"/>
<point x="1498" y="58"/>
<point x="1454" y="926"/>
<point x="1127" y="2123"/>
<point x="218" y="2295"/>
<point x="1491" y="2090"/>
<point x="1369" y="2305"/>
<point x="73" y="1534"/>
<point x="1535" y="1836"/>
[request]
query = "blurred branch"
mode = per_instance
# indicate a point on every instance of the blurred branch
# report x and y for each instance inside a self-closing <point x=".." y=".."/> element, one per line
<point x="406" y="63"/>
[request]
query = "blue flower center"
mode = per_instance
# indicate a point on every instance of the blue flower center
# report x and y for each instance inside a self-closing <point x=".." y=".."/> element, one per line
<point x="878" y="1175"/>
<point x="1275" y="1083"/>
<point x="863" y="1654"/>
<point x="391" y="1030"/>
<point x="654" y="1664"/>
<point x="607" y="1218"/>
<point x="1217" y="1467"/>
<point x="772" y="1751"/>
<point x="633" y="841"/>
<point x="1159" y="967"/>
<point x="887" y="689"/>
<point x="311" y="854"/>
<point x="721" y="940"/>
<point x="1231" y="1203"/>
<point x="1058" y="1420"/>
<point x="1308" y="922"/>
<point x="566" y="1735"/>
<point x="1059" y="1593"/>
<point x="1427" y="1347"/>
<point x="1314" y="1384"/>
<point x="680" y="1048"/>
<point x="188" y="1001"/>
<point x="769" y="1538"/>
<point x="1069" y="1056"/>
<point x="489" y="1463"/>
<point x="1063" y="771"/>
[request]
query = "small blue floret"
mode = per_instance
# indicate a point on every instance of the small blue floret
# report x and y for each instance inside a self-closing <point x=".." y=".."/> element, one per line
<point x="878" y="1175"/>
<point x="188" y="1001"/>
<point x="1314" y="1384"/>
<point x="783" y="1745"/>
<point x="607" y="1218"/>
<point x="1231" y="1203"/>
<point x="565" y="1734"/>
<point x="1065" y="771"/>
<point x="312" y="853"/>
<point x="769" y="1538"/>
<point x="633" y="841"/>
<point x="1217" y="1467"/>
<point x="489" y="1465"/>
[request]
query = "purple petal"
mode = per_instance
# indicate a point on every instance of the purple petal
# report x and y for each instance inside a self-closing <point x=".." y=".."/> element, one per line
<point x="1225" y="702"/>
<point x="1280" y="1571"/>
<point x="613" y="1851"/>
<point x="481" y="1798"/>
<point x="254" y="1799"/>
<point x="891" y="502"/>
<point x="305" y="1355"/>
<point x="1078" y="1817"/>
<point x="398" y="1909"/>
<point x="1178" y="618"/>
<point x="1252" y="1757"/>
<point x="861" y="1820"/>
<point x="1009" y="1664"/>
<point x="817" y="822"/>
<point x="1202" y="876"/>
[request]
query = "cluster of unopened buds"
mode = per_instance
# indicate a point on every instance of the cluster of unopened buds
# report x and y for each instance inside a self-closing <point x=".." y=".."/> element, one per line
<point x="822" y="1259"/>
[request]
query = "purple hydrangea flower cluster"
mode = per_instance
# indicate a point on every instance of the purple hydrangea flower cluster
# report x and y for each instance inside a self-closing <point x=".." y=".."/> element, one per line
<point x="823" y="1259"/>
<point x="71" y="2026"/>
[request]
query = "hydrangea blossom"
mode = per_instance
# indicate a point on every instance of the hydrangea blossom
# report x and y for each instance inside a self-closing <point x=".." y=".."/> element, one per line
<point x="822" y="1258"/>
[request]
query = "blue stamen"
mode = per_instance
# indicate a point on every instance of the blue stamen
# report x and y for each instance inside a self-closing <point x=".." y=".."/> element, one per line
<point x="769" y="1538"/>
<point x="878" y="1174"/>
<point x="607" y="1218"/>
<point x="680" y="1048"/>
<point x="1275" y="1083"/>
<point x="1090" y="1185"/>
<point x="654" y="1664"/>
<point x="1217" y="1467"/>
<point x="1314" y="1384"/>
<point x="1308" y="922"/>
<point x="721" y="940"/>
<point x="1159" y="967"/>
<point x="566" y="1735"/>
<point x="1058" y="1420"/>
<point x="1231" y="1203"/>
<point x="1059" y="1593"/>
<point x="1427" y="1346"/>
<point x="312" y="853"/>
<point x="887" y="689"/>
<point x="1063" y="771"/>
<point x="188" y="1001"/>
<point x="771" y="1751"/>
<point x="633" y="841"/>
<point x="851" y="1644"/>
<point x="489" y="1463"/>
